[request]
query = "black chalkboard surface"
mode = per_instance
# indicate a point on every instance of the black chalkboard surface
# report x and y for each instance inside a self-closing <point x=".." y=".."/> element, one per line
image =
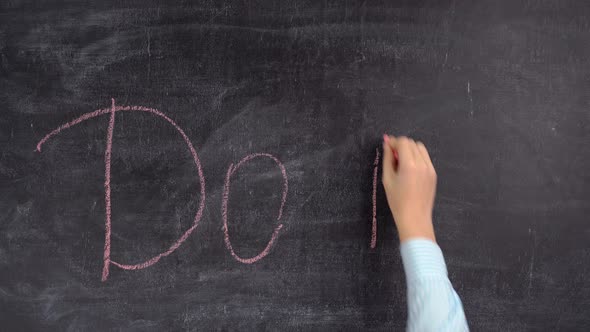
<point x="209" y="165"/>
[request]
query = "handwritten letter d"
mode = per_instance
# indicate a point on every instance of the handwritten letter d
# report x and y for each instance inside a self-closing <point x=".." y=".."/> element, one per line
<point x="107" y="261"/>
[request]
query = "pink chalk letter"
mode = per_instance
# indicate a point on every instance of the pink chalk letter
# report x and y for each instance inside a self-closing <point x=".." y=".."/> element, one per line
<point x="107" y="182"/>
<point x="231" y="171"/>
<point x="374" y="225"/>
<point x="107" y="194"/>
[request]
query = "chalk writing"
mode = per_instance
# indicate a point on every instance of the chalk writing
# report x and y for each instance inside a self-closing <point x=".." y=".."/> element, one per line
<point x="107" y="183"/>
<point x="374" y="225"/>
<point x="231" y="171"/>
<point x="107" y="261"/>
<point x="107" y="194"/>
<point x="374" y="196"/>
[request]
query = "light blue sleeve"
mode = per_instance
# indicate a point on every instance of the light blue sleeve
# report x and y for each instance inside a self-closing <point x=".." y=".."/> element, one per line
<point x="433" y="304"/>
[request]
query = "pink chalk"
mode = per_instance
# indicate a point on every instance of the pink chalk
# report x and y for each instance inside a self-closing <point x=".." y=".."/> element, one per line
<point x="374" y="225"/>
<point x="230" y="171"/>
<point x="107" y="183"/>
<point x="107" y="194"/>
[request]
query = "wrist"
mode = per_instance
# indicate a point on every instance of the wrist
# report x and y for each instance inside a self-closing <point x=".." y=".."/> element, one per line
<point x="416" y="228"/>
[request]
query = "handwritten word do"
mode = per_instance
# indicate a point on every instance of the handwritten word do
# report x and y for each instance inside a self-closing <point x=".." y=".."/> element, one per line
<point x="107" y="261"/>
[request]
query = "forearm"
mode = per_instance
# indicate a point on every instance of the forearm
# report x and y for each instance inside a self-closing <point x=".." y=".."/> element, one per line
<point x="433" y="304"/>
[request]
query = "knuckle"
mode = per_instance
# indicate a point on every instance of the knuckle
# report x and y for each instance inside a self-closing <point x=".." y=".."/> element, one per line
<point x="411" y="166"/>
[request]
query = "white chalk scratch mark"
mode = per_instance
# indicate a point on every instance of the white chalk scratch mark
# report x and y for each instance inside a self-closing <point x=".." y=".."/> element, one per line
<point x="309" y="197"/>
<point x="149" y="41"/>
<point x="149" y="52"/>
<point x="446" y="58"/>
<point x="532" y="263"/>
<point x="470" y="98"/>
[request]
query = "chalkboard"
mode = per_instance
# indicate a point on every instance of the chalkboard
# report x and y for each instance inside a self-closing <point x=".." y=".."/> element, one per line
<point x="214" y="165"/>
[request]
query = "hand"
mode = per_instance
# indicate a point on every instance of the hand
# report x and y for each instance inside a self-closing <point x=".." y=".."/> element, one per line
<point x="410" y="186"/>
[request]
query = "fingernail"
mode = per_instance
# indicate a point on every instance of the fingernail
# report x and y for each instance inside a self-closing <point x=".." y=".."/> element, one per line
<point x="385" y="138"/>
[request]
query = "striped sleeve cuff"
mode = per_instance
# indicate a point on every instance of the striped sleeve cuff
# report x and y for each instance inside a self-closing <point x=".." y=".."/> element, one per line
<point x="422" y="257"/>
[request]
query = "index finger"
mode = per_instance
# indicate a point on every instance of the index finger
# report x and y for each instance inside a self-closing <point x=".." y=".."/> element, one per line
<point x="402" y="146"/>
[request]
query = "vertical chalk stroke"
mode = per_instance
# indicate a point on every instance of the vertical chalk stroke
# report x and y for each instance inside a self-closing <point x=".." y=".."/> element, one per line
<point x="532" y="262"/>
<point x="225" y="200"/>
<point x="107" y="247"/>
<point x="374" y="225"/>
<point x="470" y="98"/>
<point x="107" y="193"/>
